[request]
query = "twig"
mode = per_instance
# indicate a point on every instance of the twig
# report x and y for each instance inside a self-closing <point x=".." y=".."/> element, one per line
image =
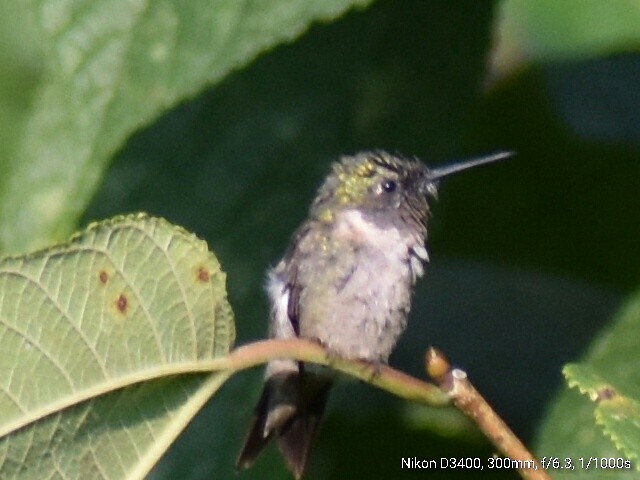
<point x="473" y="405"/>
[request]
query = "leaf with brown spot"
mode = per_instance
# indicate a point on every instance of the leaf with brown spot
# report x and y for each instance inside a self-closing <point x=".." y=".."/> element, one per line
<point x="121" y="303"/>
<point x="616" y="413"/>
<point x="65" y="363"/>
<point x="203" y="274"/>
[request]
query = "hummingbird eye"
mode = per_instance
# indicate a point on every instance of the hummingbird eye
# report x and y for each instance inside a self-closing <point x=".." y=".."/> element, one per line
<point x="388" y="186"/>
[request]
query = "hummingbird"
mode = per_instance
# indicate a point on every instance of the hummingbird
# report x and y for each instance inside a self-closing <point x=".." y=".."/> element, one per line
<point x="346" y="282"/>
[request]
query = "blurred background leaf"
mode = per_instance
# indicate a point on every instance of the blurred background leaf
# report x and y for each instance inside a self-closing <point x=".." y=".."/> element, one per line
<point x="111" y="66"/>
<point x="548" y="30"/>
<point x="531" y="257"/>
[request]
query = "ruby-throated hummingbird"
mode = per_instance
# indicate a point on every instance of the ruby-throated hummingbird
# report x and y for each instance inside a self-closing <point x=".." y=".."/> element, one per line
<point x="346" y="282"/>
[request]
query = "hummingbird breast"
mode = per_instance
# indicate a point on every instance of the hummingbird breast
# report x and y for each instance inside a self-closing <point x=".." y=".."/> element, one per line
<point x="355" y="285"/>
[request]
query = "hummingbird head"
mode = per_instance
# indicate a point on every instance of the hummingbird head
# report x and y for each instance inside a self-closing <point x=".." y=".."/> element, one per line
<point x="380" y="185"/>
<point x="389" y="189"/>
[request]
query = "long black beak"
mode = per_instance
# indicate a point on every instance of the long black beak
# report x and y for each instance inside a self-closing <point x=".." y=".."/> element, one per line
<point x="437" y="173"/>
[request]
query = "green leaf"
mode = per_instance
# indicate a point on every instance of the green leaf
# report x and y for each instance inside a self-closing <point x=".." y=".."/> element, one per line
<point x="93" y="334"/>
<point x="113" y="66"/>
<point x="619" y="415"/>
<point x="548" y="30"/>
<point x="604" y="422"/>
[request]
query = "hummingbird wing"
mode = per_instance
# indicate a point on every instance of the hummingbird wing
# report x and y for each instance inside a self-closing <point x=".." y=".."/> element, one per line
<point x="293" y="305"/>
<point x="293" y="398"/>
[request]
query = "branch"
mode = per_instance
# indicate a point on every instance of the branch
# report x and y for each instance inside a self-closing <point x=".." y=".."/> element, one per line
<point x="469" y="401"/>
<point x="384" y="377"/>
<point x="453" y="385"/>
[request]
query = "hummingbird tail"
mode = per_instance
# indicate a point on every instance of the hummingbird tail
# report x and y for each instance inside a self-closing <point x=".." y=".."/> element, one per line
<point x="291" y="406"/>
<point x="256" y="439"/>
<point x="297" y="437"/>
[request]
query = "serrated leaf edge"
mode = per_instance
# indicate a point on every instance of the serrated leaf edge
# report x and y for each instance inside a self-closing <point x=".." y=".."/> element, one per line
<point x="112" y="384"/>
<point x="596" y="397"/>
